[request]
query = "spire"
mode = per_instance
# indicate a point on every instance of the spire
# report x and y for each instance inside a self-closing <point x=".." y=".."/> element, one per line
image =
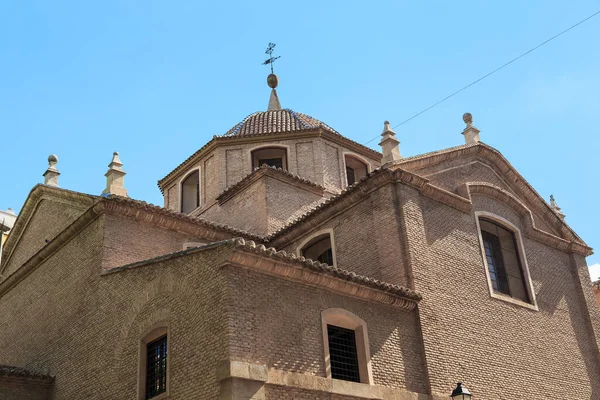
<point x="556" y="208"/>
<point x="51" y="174"/>
<point x="389" y="144"/>
<point x="115" y="177"/>
<point x="274" y="104"/>
<point x="470" y="132"/>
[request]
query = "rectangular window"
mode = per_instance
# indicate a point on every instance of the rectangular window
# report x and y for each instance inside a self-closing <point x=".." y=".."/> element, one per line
<point x="342" y="353"/>
<point x="350" y="175"/>
<point x="156" y="367"/>
<point x="503" y="261"/>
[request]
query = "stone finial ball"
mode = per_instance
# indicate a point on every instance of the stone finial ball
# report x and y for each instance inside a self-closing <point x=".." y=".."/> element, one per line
<point x="272" y="81"/>
<point x="468" y="118"/>
<point x="386" y="122"/>
<point x="52" y="158"/>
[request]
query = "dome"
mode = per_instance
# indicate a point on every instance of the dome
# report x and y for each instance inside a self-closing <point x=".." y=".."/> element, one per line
<point x="276" y="121"/>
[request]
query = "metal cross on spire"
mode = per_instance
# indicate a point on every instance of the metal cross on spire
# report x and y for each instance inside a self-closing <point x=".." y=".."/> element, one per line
<point x="271" y="59"/>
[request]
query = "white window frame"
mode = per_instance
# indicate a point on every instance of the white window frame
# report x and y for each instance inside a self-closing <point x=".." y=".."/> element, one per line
<point x="346" y="319"/>
<point x="180" y="187"/>
<point x="359" y="158"/>
<point x="522" y="258"/>
<point x="322" y="232"/>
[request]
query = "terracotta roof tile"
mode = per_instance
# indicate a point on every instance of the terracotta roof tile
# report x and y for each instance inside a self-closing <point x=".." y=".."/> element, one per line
<point x="276" y="121"/>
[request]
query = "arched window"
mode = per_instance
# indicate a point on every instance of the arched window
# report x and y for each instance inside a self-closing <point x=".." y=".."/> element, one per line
<point x="355" y="169"/>
<point x="504" y="261"/>
<point x="154" y="364"/>
<point x="346" y="345"/>
<point x="272" y="156"/>
<point x="319" y="249"/>
<point x="190" y="192"/>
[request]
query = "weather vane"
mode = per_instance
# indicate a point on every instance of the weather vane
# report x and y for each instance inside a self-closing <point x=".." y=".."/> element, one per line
<point x="271" y="59"/>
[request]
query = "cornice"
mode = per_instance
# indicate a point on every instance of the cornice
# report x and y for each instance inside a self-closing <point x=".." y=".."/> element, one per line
<point x="36" y="196"/>
<point x="217" y="141"/>
<point x="169" y="219"/>
<point x="506" y="169"/>
<point x="275" y="173"/>
<point x="530" y="230"/>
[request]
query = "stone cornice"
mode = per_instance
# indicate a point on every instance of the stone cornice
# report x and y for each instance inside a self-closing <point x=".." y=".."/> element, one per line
<point x="217" y="141"/>
<point x="289" y="266"/>
<point x="356" y="193"/>
<point x="530" y="230"/>
<point x="275" y="173"/>
<point x="498" y="161"/>
<point x="36" y="195"/>
<point x="257" y="257"/>
<point x="169" y="219"/>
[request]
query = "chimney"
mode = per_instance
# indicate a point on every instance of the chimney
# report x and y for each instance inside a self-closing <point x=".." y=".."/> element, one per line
<point x="471" y="133"/>
<point x="556" y="208"/>
<point x="115" y="178"/>
<point x="51" y="174"/>
<point x="389" y="144"/>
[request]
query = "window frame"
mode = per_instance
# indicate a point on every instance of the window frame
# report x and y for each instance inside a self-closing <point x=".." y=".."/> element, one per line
<point x="285" y="160"/>
<point x="518" y="238"/>
<point x="199" y="194"/>
<point x="152" y="334"/>
<point x="358" y="158"/>
<point x="345" y="319"/>
<point x="315" y="235"/>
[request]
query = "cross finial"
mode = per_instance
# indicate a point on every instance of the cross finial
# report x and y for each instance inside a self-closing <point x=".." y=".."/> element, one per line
<point x="271" y="59"/>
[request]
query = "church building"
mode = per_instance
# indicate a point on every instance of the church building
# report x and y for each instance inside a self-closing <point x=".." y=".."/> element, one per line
<point x="290" y="262"/>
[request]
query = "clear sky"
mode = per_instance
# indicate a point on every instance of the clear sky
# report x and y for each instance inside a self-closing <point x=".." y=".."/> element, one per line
<point x="155" y="80"/>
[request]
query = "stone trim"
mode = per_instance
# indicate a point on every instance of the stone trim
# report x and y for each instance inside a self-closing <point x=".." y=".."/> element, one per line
<point x="36" y="195"/>
<point x="10" y="371"/>
<point x="249" y="255"/>
<point x="275" y="173"/>
<point x="530" y="230"/>
<point x="520" y="253"/>
<point x="289" y="266"/>
<point x="355" y="193"/>
<point x="169" y="219"/>
<point x="346" y="319"/>
<point x="261" y="374"/>
<point x="265" y="137"/>
<point x="508" y="171"/>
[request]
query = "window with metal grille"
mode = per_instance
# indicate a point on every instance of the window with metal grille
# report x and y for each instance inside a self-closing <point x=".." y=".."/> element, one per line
<point x="156" y="367"/>
<point x="342" y="353"/>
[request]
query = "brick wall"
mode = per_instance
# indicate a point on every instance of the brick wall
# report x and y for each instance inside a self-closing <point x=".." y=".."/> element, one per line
<point x="278" y="323"/>
<point x="367" y="238"/>
<point x="17" y="388"/>
<point x="49" y="220"/>
<point x="127" y="241"/>
<point x="69" y="321"/>
<point x="489" y="344"/>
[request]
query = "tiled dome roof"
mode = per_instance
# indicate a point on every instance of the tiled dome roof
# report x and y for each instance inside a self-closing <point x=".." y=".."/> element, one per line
<point x="276" y="121"/>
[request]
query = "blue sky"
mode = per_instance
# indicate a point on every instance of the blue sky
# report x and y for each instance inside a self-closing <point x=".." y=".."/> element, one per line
<point x="155" y="80"/>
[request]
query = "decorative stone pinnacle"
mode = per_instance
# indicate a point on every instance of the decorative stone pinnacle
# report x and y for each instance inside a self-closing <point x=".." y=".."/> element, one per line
<point x="387" y="128"/>
<point x="273" y="81"/>
<point x="115" y="177"/>
<point x="389" y="144"/>
<point x="51" y="174"/>
<point x="556" y="208"/>
<point x="471" y="133"/>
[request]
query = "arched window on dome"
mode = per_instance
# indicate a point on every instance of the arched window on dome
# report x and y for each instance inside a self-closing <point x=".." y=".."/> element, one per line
<point x="272" y="156"/>
<point x="190" y="192"/>
<point x="356" y="169"/>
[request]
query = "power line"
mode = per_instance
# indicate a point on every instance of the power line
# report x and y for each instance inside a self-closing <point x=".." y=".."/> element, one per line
<point x="493" y="72"/>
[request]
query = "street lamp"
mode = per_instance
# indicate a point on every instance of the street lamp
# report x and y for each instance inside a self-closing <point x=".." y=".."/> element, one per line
<point x="460" y="393"/>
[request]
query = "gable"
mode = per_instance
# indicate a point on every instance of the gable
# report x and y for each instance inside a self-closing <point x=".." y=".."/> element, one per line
<point x="46" y="212"/>
<point x="480" y="163"/>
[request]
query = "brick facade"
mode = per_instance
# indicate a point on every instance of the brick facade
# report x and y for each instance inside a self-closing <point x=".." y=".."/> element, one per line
<point x="85" y="279"/>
